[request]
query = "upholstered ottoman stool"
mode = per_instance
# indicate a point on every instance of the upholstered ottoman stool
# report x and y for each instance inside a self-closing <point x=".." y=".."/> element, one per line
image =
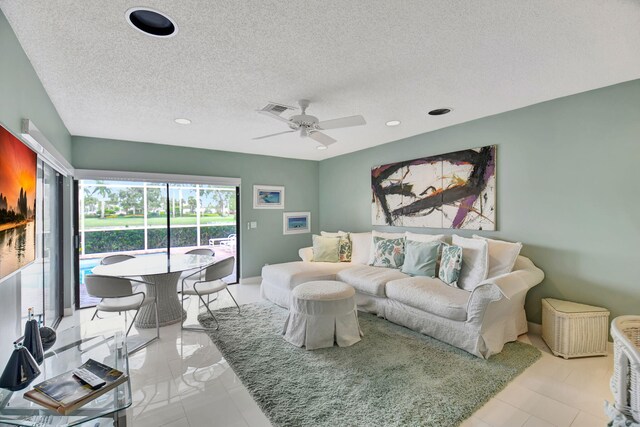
<point x="321" y="313"/>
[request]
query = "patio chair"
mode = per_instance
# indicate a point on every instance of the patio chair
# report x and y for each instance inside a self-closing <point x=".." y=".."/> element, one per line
<point x="118" y="295"/>
<point x="213" y="283"/>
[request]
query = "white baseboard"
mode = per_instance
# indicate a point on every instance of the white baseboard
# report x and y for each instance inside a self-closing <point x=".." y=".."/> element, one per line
<point x="251" y="280"/>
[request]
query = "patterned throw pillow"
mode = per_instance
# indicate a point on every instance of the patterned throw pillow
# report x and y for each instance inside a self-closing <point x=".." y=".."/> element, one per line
<point x="388" y="252"/>
<point x="450" y="264"/>
<point x="345" y="249"/>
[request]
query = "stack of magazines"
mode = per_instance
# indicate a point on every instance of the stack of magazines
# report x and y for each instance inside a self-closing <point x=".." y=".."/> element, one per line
<point x="66" y="393"/>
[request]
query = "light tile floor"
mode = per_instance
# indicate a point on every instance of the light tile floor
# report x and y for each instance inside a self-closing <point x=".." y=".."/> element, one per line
<point x="183" y="380"/>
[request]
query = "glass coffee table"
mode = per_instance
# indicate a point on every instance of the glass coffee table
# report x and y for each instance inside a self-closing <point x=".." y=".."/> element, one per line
<point x="70" y="351"/>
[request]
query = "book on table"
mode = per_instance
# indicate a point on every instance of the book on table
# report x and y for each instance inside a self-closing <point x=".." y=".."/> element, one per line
<point x="65" y="393"/>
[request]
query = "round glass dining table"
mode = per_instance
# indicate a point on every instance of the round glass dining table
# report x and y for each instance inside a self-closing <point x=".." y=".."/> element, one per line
<point x="163" y="274"/>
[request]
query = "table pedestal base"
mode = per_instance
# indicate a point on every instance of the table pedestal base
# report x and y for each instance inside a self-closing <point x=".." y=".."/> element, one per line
<point x="170" y="310"/>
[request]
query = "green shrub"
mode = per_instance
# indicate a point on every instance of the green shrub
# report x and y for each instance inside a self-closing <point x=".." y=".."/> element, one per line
<point x="113" y="241"/>
<point x="132" y="240"/>
<point x="215" y="232"/>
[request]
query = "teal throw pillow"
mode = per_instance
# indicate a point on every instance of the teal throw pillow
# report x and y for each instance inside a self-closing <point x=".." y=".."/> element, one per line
<point x="388" y="253"/>
<point x="326" y="249"/>
<point x="450" y="264"/>
<point x="420" y="258"/>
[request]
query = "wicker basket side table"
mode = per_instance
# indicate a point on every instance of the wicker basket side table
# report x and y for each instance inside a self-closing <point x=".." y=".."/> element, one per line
<point x="625" y="382"/>
<point x="574" y="330"/>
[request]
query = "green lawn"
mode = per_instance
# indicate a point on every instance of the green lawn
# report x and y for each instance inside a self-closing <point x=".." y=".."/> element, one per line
<point x="124" y="221"/>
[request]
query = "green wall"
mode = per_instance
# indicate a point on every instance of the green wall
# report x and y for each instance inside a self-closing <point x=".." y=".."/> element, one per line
<point x="265" y="244"/>
<point x="22" y="95"/>
<point x="567" y="187"/>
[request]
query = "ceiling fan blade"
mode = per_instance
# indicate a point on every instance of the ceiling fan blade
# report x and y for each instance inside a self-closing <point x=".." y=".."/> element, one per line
<point x="274" y="116"/>
<point x="274" y="134"/>
<point x="342" y="122"/>
<point x="321" y="138"/>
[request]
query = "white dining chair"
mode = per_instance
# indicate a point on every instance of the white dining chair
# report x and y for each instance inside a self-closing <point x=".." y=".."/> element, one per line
<point x="114" y="259"/>
<point x="197" y="251"/>
<point x="108" y="260"/>
<point x="118" y="295"/>
<point x="212" y="283"/>
<point x="201" y="251"/>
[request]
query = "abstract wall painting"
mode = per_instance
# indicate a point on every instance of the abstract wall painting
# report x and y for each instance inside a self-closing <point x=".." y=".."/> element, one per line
<point x="18" y="170"/>
<point x="452" y="190"/>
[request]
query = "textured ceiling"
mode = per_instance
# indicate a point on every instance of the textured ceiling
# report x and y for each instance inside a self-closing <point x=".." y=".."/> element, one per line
<point x="382" y="59"/>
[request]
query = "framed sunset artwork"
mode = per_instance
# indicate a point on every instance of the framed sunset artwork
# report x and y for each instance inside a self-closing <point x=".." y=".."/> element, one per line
<point x="18" y="170"/>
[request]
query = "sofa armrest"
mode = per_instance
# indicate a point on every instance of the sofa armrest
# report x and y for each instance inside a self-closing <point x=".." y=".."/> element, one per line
<point x="306" y="254"/>
<point x="508" y="286"/>
<point x="524" y="276"/>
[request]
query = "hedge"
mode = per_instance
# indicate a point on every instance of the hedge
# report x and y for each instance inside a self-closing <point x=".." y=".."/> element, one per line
<point x="131" y="240"/>
<point x="96" y="242"/>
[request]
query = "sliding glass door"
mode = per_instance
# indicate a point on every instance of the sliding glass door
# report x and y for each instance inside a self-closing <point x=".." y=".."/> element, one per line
<point x="52" y="248"/>
<point x="140" y="218"/>
<point x="41" y="281"/>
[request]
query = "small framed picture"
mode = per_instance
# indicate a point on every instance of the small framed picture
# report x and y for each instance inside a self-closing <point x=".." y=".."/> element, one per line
<point x="268" y="197"/>
<point x="296" y="222"/>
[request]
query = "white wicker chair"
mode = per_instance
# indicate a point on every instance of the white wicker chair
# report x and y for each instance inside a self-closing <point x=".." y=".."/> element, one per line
<point x="625" y="383"/>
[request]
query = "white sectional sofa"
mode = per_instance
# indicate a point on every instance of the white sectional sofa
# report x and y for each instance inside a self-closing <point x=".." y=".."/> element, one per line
<point x="479" y="321"/>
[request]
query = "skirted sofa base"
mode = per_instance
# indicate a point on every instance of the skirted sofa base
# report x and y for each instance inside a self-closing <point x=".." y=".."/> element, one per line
<point x="479" y="322"/>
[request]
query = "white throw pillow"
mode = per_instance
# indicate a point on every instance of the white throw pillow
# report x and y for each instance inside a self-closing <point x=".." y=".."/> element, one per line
<point x="425" y="237"/>
<point x="306" y="254"/>
<point x="475" y="261"/>
<point x="372" y="250"/>
<point x="329" y="234"/>
<point x="361" y="247"/>
<point x="502" y="255"/>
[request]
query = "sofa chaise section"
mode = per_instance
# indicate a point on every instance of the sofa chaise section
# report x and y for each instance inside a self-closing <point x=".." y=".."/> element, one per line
<point x="278" y="280"/>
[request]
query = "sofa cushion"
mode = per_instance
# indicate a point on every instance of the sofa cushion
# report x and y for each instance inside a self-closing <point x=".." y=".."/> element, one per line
<point x="291" y="274"/>
<point x="369" y="280"/>
<point x="361" y="247"/>
<point x="502" y="255"/>
<point x="475" y="261"/>
<point x="430" y="295"/>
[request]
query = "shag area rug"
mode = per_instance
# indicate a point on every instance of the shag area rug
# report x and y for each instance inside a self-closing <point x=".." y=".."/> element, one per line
<point x="393" y="377"/>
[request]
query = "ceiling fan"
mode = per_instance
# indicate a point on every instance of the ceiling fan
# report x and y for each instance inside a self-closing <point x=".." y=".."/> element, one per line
<point x="309" y="126"/>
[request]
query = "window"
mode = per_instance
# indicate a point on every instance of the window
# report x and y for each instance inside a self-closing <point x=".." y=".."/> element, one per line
<point x="138" y="218"/>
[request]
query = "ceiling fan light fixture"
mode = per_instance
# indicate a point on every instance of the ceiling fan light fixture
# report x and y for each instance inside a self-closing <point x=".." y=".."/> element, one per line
<point x="439" y="111"/>
<point x="182" y="121"/>
<point x="392" y="123"/>
<point x="151" y="22"/>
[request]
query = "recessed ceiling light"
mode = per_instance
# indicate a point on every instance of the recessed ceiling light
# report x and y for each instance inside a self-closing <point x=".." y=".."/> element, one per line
<point x="321" y="147"/>
<point x="151" y="22"/>
<point x="439" y="111"/>
<point x="392" y="123"/>
<point x="182" y="121"/>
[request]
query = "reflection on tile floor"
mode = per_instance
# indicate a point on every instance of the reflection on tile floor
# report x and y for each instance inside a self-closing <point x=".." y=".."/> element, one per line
<point x="183" y="380"/>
